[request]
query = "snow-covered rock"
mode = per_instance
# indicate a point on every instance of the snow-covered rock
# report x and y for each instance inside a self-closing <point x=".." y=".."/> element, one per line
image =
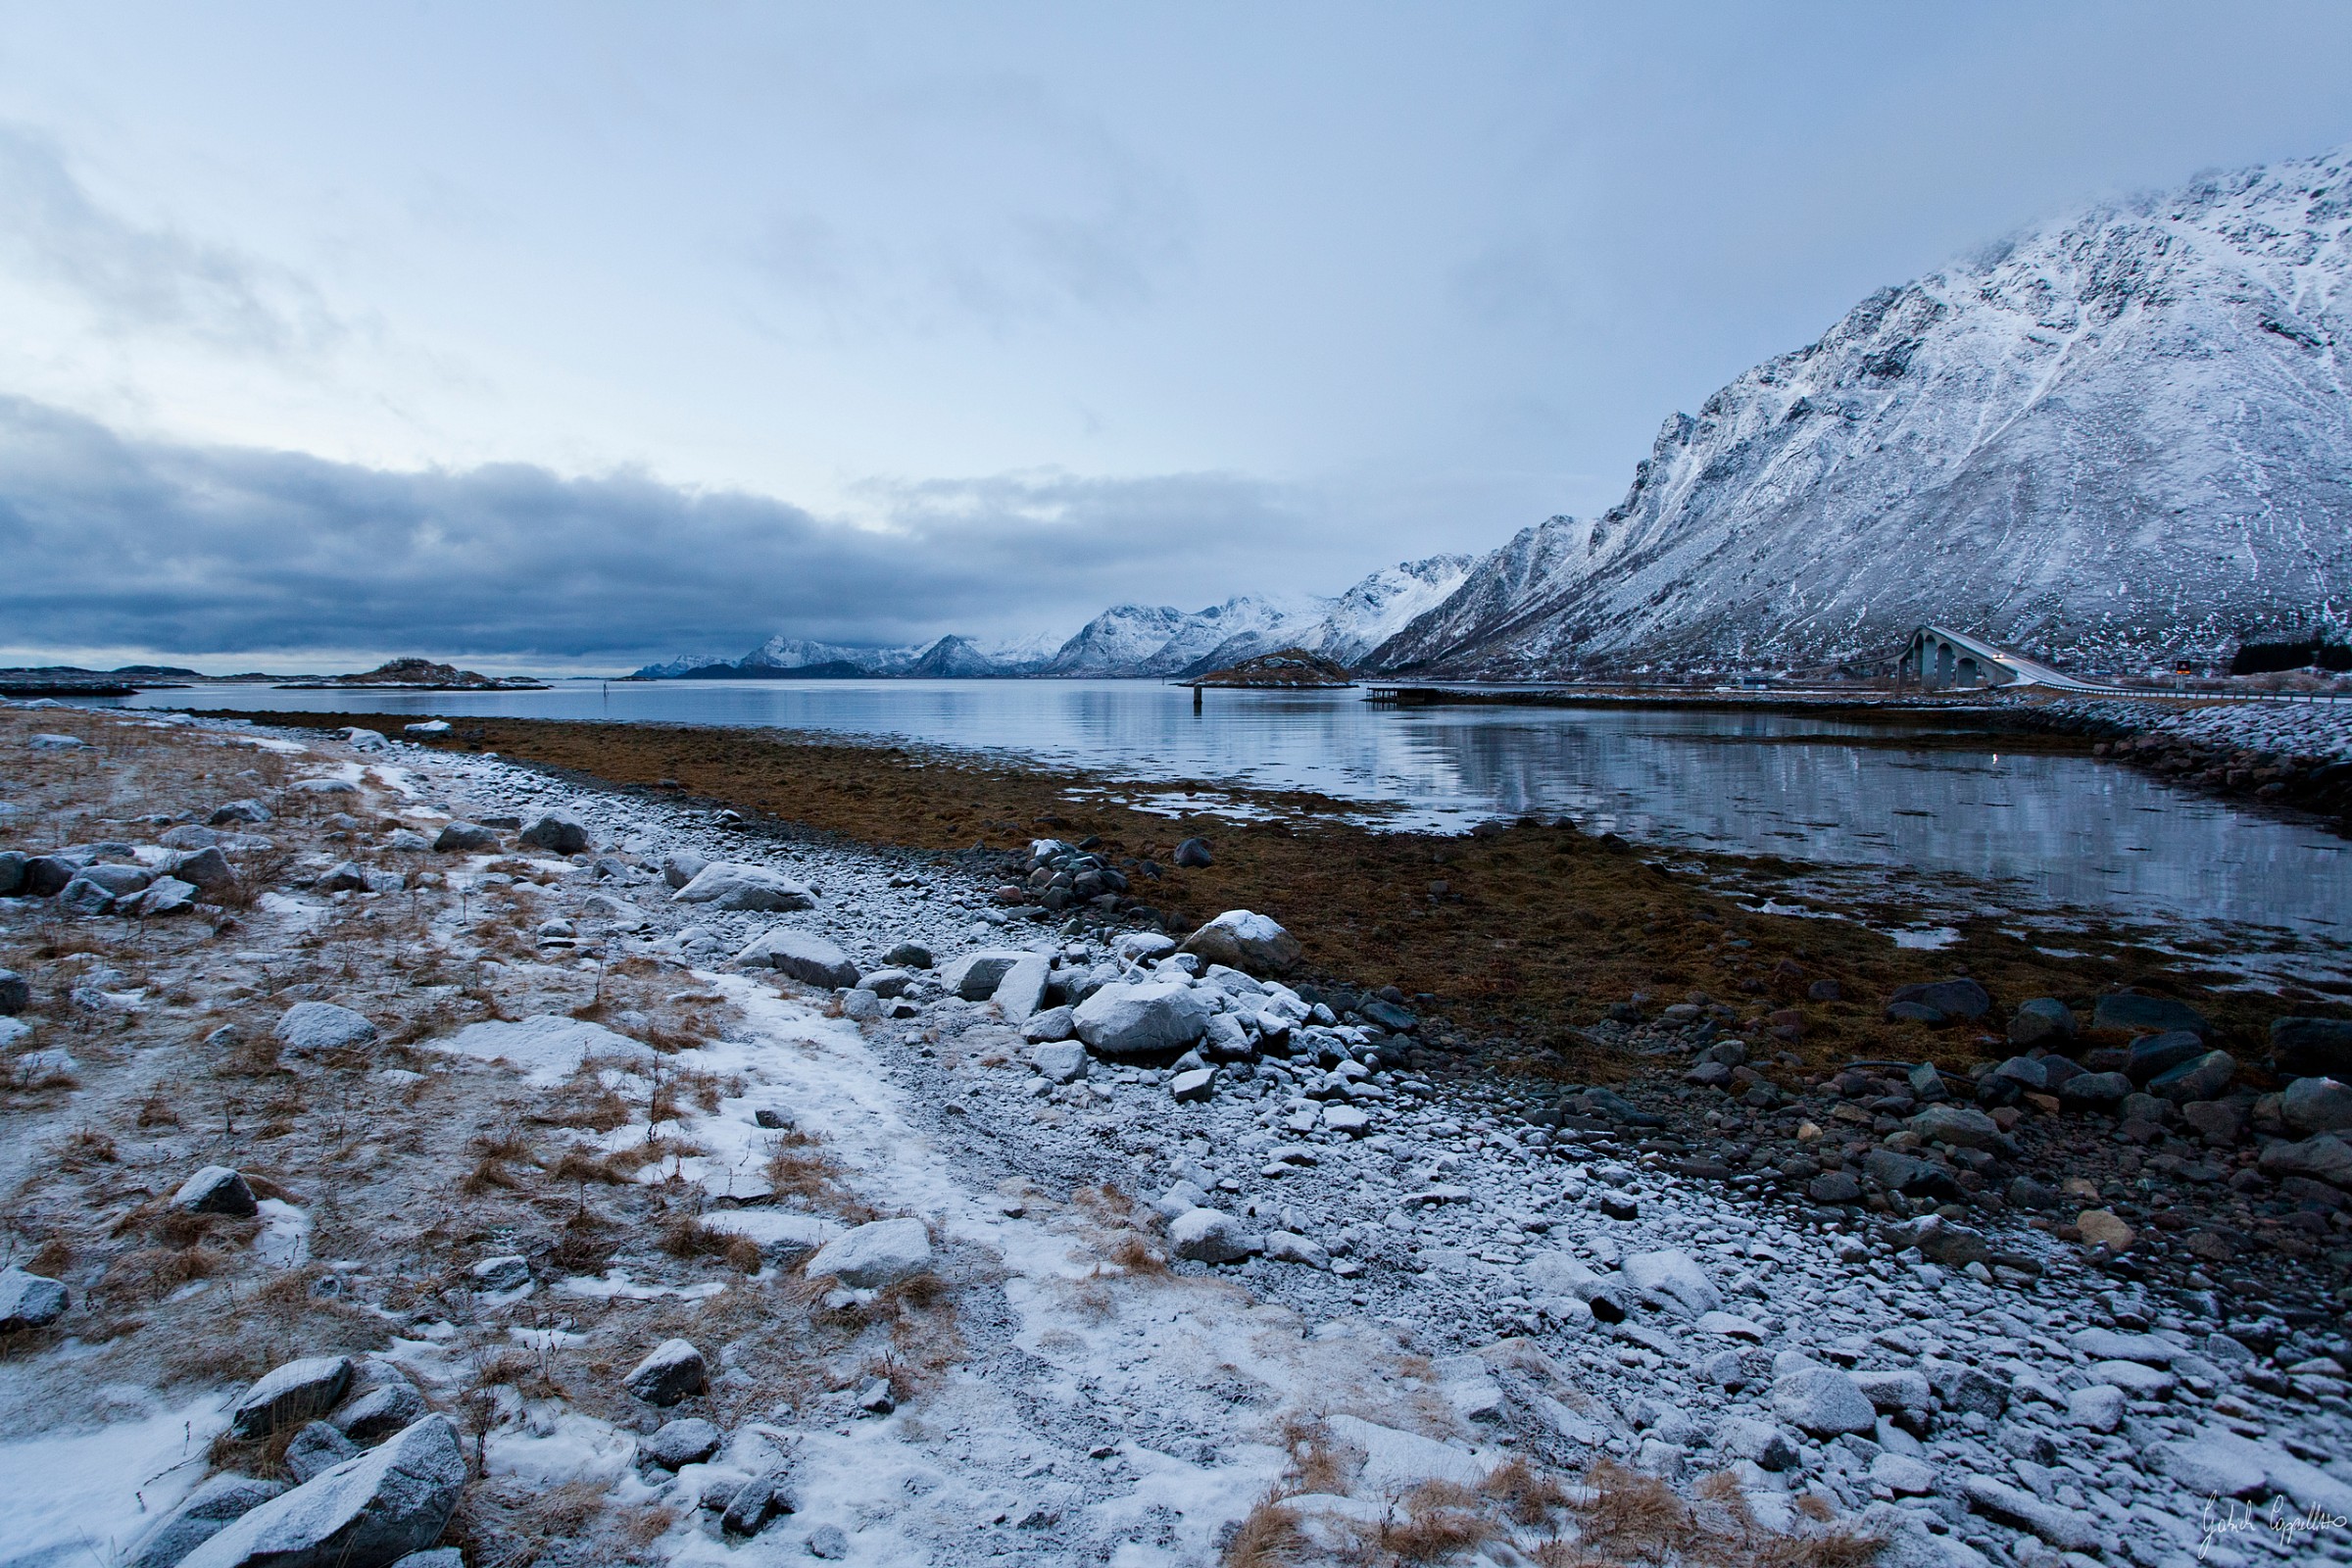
<point x="28" y="1300"/>
<point x="308" y="1027"/>
<point x="802" y="955"/>
<point x="290" y="1394"/>
<point x="1248" y="941"/>
<point x="1142" y="1019"/>
<point x="728" y="885"/>
<point x="367" y="1512"/>
<point x="873" y="1255"/>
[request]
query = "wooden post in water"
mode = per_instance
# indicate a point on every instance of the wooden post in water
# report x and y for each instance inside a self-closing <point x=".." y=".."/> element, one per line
<point x="1196" y="697"/>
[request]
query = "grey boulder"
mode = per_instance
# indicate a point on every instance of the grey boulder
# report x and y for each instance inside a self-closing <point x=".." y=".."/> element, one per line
<point x="2314" y="1105"/>
<point x="289" y="1395"/>
<point x="367" y="1512"/>
<point x="802" y="954"/>
<point x="317" y="1448"/>
<point x="1674" y="1278"/>
<point x="2139" y="1014"/>
<point x="2094" y="1090"/>
<point x="216" y="1190"/>
<point x="766" y="1497"/>
<point x="203" y="1515"/>
<point x="164" y="896"/>
<point x="1960" y="1126"/>
<point x="371" y="1414"/>
<point x="240" y="813"/>
<point x="314" y="1026"/>
<point x="559" y="832"/>
<point x="1140" y="1019"/>
<point x="2204" y="1078"/>
<point x="1246" y="941"/>
<point x="2042" y="1021"/>
<point x="1207" y="1236"/>
<point x="206" y="867"/>
<point x="29" y="1301"/>
<point x="2326" y="1158"/>
<point x="681" y="866"/>
<point x="1951" y="1000"/>
<point x="1059" y="1061"/>
<point x="875" y="1256"/>
<point x="457" y="837"/>
<point x="726" y="885"/>
<point x="677" y="1443"/>
<point x="975" y="976"/>
<point x="14" y="994"/>
<point x="670" y="1371"/>
<point x="1823" y="1401"/>
<point x="2311" y="1046"/>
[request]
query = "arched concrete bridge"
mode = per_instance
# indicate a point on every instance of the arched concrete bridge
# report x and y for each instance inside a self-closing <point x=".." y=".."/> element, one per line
<point x="1939" y="659"/>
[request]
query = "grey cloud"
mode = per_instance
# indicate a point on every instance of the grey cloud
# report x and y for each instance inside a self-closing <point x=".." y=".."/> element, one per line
<point x="112" y="542"/>
<point x="136" y="277"/>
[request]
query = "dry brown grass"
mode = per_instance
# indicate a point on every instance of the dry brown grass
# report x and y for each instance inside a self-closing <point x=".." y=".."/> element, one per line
<point x="689" y="1237"/>
<point x="83" y="1148"/>
<point x="1528" y="1496"/>
<point x="578" y="1165"/>
<point x="489" y="1175"/>
<point x="1441" y="1520"/>
<point x="1135" y="1254"/>
<point x="1268" y="1536"/>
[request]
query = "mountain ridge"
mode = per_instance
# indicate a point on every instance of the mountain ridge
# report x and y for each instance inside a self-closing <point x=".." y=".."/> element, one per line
<point x="2115" y="438"/>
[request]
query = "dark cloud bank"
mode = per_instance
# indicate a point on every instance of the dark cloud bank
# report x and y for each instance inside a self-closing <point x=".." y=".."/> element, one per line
<point x="107" y="542"/>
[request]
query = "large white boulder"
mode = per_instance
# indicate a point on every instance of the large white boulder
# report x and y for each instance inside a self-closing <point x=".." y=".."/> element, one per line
<point x="1146" y="1019"/>
<point x="290" y="1394"/>
<point x="1022" y="990"/>
<point x="975" y="976"/>
<point x="1207" y="1236"/>
<point x="314" y="1026"/>
<point x="728" y="885"/>
<point x="802" y="955"/>
<point x="1674" y="1278"/>
<point x="1823" y="1401"/>
<point x="367" y="1512"/>
<point x="28" y="1300"/>
<point x="875" y="1256"/>
<point x="1248" y="941"/>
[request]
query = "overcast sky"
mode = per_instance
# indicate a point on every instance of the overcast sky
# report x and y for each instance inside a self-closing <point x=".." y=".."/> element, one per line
<point x="563" y="336"/>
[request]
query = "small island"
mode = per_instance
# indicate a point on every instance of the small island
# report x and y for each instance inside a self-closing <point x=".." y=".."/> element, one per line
<point x="1284" y="670"/>
<point x="419" y="676"/>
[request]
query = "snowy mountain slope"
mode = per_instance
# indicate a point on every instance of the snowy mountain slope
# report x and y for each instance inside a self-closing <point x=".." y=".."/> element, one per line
<point x="2120" y="437"/>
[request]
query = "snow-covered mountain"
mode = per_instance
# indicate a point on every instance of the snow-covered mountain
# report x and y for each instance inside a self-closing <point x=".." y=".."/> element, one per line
<point x="1135" y="640"/>
<point x="1346" y="628"/>
<point x="1161" y="640"/>
<point x="2117" y="438"/>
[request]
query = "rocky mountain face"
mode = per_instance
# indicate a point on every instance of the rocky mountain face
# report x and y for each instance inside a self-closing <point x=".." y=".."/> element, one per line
<point x="1130" y="641"/>
<point x="2114" y="440"/>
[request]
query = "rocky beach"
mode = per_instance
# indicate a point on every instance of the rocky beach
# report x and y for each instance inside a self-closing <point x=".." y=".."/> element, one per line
<point x="413" y="1149"/>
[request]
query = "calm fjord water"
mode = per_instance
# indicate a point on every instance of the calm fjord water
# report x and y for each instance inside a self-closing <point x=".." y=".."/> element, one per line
<point x="2055" y="830"/>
